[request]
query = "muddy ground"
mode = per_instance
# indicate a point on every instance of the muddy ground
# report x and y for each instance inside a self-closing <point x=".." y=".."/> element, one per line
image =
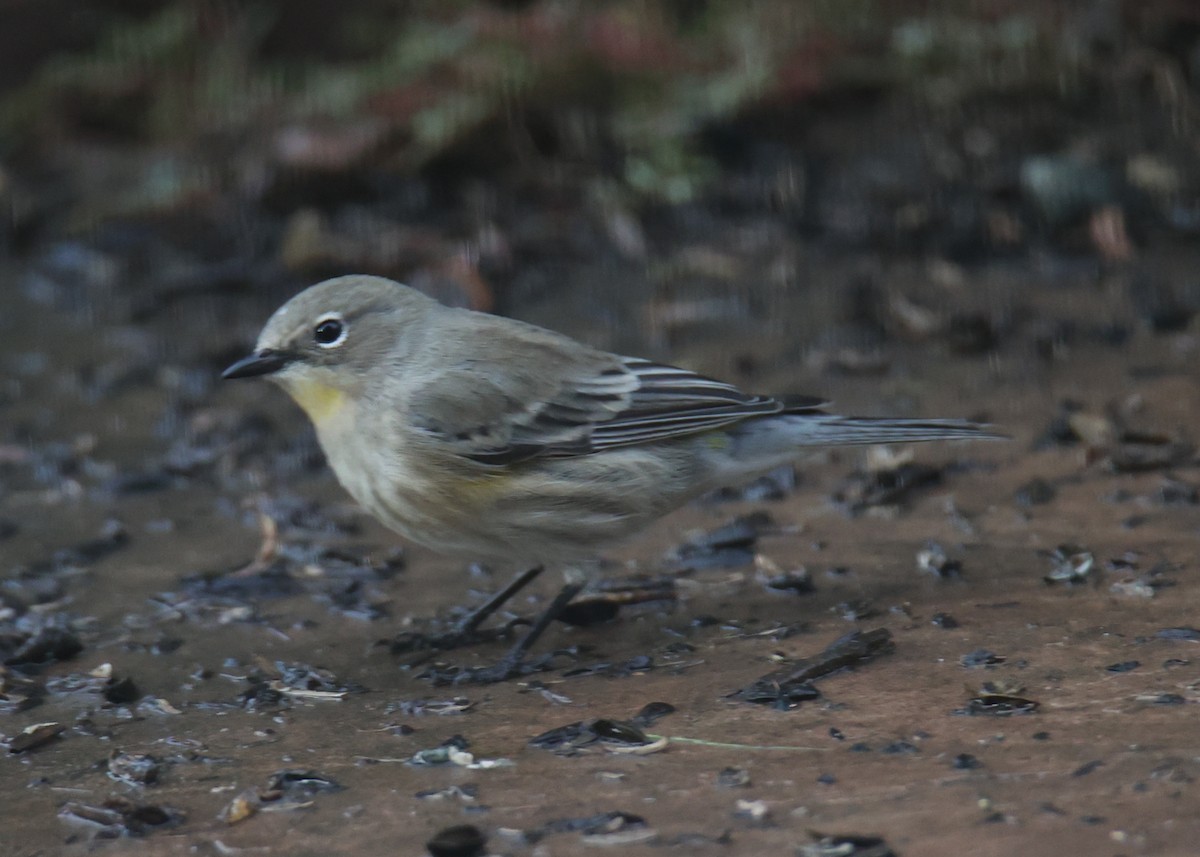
<point x="132" y="482"/>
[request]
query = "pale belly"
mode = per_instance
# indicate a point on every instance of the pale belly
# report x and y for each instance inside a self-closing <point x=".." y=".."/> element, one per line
<point x="524" y="516"/>
<point x="546" y="511"/>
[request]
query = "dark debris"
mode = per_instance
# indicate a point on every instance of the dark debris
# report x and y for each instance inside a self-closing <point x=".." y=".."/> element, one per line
<point x="787" y="688"/>
<point x="33" y="737"/>
<point x="733" y="778"/>
<point x="981" y="658"/>
<point x="1191" y="634"/>
<point x="591" y="825"/>
<point x="112" y="537"/>
<point x="425" y="706"/>
<point x="1069" y="564"/>
<point x="606" y="600"/>
<point x="932" y="559"/>
<point x="1035" y="492"/>
<point x="119" y="816"/>
<point x="295" y="557"/>
<point x="442" y="754"/>
<point x="100" y="682"/>
<point x="998" y="705"/>
<point x="612" y="669"/>
<point x="966" y="762"/>
<point x="845" y="845"/>
<point x="298" y="785"/>
<point x="893" y="487"/>
<point x="1123" y="667"/>
<point x="49" y="644"/>
<point x="461" y="840"/>
<point x="19" y="692"/>
<point x="798" y="581"/>
<point x="573" y="738"/>
<point x="135" y="769"/>
<point x="284" y="790"/>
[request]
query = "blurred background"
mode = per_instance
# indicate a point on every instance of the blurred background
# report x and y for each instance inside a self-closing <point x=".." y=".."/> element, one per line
<point x="652" y="175"/>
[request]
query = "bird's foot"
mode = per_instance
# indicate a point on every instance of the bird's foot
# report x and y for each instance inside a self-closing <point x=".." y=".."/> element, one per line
<point x="514" y="663"/>
<point x="467" y="631"/>
<point x="496" y="673"/>
<point x="455" y="638"/>
<point x="506" y="669"/>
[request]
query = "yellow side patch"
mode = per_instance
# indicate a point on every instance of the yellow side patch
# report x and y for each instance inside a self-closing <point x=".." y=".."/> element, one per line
<point x="319" y="401"/>
<point x="480" y="488"/>
<point x="717" y="441"/>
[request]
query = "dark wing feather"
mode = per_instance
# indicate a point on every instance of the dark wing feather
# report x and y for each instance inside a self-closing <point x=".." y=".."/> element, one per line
<point x="669" y="402"/>
<point x="626" y="402"/>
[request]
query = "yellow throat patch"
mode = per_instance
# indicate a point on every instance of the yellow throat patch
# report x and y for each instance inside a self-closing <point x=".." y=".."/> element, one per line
<point x="320" y="401"/>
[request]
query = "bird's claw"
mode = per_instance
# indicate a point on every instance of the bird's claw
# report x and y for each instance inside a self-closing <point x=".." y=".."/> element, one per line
<point x="441" y="676"/>
<point x="456" y="638"/>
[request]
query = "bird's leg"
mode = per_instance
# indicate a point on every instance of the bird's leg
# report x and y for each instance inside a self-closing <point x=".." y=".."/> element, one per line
<point x="480" y="614"/>
<point x="510" y="665"/>
<point x="466" y="630"/>
<point x="517" y="653"/>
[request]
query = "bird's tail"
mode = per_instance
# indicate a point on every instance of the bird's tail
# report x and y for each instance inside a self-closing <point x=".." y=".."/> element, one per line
<point x="819" y="429"/>
<point x="759" y="444"/>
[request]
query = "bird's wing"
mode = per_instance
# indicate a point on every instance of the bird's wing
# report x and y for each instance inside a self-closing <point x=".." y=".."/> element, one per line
<point x="556" y="402"/>
<point x="669" y="402"/>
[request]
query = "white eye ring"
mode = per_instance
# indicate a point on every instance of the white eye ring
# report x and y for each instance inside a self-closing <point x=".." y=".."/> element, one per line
<point x="330" y="330"/>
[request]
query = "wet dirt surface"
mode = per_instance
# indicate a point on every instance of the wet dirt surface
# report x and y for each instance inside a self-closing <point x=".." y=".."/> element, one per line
<point x="1105" y="764"/>
<point x="115" y="415"/>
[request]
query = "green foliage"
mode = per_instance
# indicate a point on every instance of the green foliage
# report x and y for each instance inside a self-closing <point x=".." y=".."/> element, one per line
<point x="647" y="75"/>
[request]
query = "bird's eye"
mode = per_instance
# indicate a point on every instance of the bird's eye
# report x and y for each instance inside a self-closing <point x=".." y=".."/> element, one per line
<point x="329" y="331"/>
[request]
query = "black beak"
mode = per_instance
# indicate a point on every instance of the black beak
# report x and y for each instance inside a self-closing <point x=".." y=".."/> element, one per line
<point x="263" y="363"/>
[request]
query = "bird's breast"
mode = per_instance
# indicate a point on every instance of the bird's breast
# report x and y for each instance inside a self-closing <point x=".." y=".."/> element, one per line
<point x="321" y="402"/>
<point x="427" y="497"/>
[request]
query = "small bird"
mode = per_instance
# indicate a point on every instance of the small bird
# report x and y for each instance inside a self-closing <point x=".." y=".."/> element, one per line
<point x="485" y="437"/>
